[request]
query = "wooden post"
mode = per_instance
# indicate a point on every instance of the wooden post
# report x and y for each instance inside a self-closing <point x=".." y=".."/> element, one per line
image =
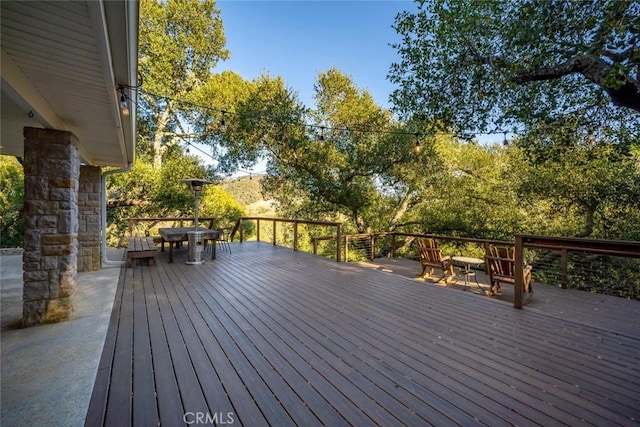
<point x="130" y="226"/>
<point x="295" y="234"/>
<point x="241" y="231"/>
<point x="346" y="248"/>
<point x="564" y="278"/>
<point x="518" y="272"/>
<point x="315" y="245"/>
<point x="338" y="242"/>
<point x="274" y="232"/>
<point x="258" y="229"/>
<point x="486" y="261"/>
<point x="373" y="247"/>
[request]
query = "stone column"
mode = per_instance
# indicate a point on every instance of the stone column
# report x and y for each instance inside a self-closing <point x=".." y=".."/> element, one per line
<point x="89" y="219"/>
<point x="51" y="170"/>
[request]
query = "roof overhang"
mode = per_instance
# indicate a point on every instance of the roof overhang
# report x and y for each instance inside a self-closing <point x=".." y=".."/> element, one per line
<point x="62" y="63"/>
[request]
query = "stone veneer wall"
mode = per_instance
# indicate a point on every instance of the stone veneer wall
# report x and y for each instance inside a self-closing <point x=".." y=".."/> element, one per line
<point x="51" y="172"/>
<point x="89" y="219"/>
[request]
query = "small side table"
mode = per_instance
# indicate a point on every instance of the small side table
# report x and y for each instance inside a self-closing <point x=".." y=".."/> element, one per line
<point x="468" y="262"/>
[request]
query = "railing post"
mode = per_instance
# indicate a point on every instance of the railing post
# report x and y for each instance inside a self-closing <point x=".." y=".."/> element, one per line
<point x="518" y="272"/>
<point x="295" y="234"/>
<point x="486" y="261"/>
<point x="346" y="248"/>
<point x="130" y="226"/>
<point x="241" y="230"/>
<point x="258" y="229"/>
<point x="338" y="241"/>
<point x="373" y="247"/>
<point x="274" y="232"/>
<point x="314" y="241"/>
<point x="564" y="278"/>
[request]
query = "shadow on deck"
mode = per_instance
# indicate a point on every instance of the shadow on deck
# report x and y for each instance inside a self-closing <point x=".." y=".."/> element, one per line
<point x="269" y="336"/>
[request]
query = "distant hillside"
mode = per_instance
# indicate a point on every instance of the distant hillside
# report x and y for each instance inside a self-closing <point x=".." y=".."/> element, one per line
<point x="246" y="190"/>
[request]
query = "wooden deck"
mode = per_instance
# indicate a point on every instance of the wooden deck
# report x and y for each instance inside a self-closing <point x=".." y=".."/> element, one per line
<point x="269" y="336"/>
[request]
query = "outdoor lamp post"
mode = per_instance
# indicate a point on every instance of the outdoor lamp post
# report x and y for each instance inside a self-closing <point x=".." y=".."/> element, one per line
<point x="194" y="255"/>
<point x="196" y="185"/>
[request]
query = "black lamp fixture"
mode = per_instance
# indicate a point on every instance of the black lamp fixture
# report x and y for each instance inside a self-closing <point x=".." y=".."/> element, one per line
<point x="124" y="105"/>
<point x="196" y="185"/>
<point x="124" y="98"/>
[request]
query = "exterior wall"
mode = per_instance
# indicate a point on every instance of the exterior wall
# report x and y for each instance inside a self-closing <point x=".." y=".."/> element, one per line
<point x="89" y="219"/>
<point x="51" y="169"/>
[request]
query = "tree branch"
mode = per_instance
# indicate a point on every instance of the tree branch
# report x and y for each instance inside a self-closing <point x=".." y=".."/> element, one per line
<point x="626" y="94"/>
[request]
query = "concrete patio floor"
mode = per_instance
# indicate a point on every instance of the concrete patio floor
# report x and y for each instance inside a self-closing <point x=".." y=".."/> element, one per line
<point x="48" y="371"/>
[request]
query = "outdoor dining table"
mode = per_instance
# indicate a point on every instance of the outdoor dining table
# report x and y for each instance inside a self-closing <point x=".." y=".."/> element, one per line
<point x="173" y="235"/>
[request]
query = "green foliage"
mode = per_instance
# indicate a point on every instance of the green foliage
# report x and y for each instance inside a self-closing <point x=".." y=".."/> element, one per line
<point x="11" y="202"/>
<point x="181" y="41"/>
<point x="591" y="180"/>
<point x="488" y="65"/>
<point x="324" y="163"/>
<point x="215" y="202"/>
<point x="245" y="190"/>
<point x="148" y="192"/>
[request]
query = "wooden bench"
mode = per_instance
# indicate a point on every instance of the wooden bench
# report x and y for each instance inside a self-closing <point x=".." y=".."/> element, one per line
<point x="141" y="248"/>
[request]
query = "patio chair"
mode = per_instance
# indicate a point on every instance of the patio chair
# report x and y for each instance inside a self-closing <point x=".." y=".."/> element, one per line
<point x="430" y="257"/>
<point x="223" y="240"/>
<point x="501" y="260"/>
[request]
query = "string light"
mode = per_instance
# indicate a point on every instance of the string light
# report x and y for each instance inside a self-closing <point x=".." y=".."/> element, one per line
<point x="417" y="148"/>
<point x="124" y="98"/>
<point x="465" y="135"/>
<point x="124" y="106"/>
<point x="223" y="124"/>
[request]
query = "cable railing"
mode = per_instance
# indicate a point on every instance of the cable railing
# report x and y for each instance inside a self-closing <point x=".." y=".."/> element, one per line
<point x="600" y="266"/>
<point x="615" y="260"/>
<point x="611" y="267"/>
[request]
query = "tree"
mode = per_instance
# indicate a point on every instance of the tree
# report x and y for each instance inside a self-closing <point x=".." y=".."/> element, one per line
<point x="332" y="162"/>
<point x="497" y="65"/>
<point x="181" y="41"/>
<point x="590" y="182"/>
<point x="148" y="192"/>
<point x="217" y="203"/>
<point x="11" y="202"/>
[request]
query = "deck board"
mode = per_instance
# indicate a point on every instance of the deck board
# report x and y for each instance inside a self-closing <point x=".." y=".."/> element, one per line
<point x="276" y="337"/>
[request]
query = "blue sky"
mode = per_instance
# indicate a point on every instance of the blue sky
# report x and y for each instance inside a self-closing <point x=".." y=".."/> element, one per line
<point x="299" y="39"/>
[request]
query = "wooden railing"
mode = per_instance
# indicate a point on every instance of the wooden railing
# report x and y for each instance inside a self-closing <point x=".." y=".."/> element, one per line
<point x="561" y="247"/>
<point x="564" y="245"/>
<point x="372" y="238"/>
<point x="558" y="247"/>
<point x="239" y="229"/>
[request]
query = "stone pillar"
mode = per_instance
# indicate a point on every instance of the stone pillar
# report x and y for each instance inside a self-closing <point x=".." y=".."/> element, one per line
<point x="89" y="219"/>
<point x="51" y="170"/>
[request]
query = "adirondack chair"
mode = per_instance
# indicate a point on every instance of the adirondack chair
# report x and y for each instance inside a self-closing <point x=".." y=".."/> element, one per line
<point x="431" y="257"/>
<point x="501" y="260"/>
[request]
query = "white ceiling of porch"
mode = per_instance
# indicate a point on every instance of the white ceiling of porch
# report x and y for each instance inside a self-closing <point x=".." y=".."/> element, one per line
<point x="62" y="62"/>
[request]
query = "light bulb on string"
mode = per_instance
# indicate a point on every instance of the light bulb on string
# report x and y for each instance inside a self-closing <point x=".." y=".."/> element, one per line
<point x="417" y="148"/>
<point x="223" y="123"/>
<point x="124" y="108"/>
